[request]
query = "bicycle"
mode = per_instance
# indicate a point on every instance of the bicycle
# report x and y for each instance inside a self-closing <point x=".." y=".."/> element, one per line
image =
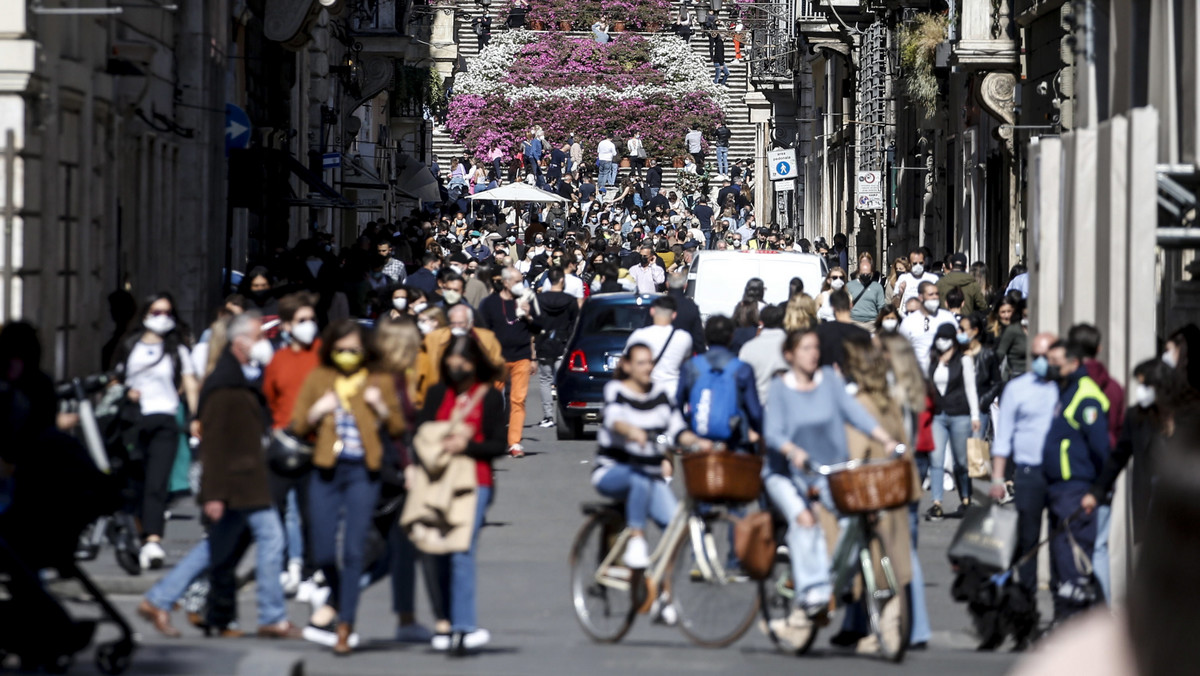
<point x="692" y="567"/>
<point x="860" y="492"/>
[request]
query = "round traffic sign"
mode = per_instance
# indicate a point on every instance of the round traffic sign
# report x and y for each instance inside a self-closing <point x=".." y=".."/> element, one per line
<point x="867" y="177"/>
<point x="783" y="168"/>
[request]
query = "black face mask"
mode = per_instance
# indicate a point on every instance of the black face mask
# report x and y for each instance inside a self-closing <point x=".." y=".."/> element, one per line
<point x="460" y="375"/>
<point x="1054" y="374"/>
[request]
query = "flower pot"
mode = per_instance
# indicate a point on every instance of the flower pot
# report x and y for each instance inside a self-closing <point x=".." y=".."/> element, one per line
<point x="677" y="163"/>
<point x="564" y="25"/>
<point x="653" y="27"/>
<point x="537" y="25"/>
<point x="625" y="163"/>
<point x="618" y="27"/>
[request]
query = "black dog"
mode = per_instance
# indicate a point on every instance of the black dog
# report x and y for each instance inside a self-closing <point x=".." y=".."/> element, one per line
<point x="998" y="606"/>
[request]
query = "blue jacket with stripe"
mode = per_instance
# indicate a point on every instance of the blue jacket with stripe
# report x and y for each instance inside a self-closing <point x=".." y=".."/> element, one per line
<point x="1077" y="443"/>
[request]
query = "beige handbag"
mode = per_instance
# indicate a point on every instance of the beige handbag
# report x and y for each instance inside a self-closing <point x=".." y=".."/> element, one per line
<point x="979" y="458"/>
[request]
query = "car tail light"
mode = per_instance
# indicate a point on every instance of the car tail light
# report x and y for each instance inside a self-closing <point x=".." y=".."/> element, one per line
<point x="577" y="404"/>
<point x="578" y="362"/>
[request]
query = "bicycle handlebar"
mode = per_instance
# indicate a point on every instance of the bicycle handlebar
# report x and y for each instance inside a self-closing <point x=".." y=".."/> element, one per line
<point x="826" y="470"/>
<point x="663" y="441"/>
<point x="79" y="388"/>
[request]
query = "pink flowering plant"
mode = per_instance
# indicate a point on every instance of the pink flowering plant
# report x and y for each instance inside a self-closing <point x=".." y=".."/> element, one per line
<point x="572" y="86"/>
<point x="581" y="14"/>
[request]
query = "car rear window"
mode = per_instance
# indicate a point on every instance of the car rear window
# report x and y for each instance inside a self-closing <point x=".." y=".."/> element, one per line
<point x="613" y="318"/>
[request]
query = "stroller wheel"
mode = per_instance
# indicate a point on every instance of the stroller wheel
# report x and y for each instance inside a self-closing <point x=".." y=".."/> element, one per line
<point x="114" y="658"/>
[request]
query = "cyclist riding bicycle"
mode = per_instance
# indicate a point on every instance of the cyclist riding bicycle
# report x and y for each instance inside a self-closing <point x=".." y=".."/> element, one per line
<point x="805" y="420"/>
<point x="630" y="465"/>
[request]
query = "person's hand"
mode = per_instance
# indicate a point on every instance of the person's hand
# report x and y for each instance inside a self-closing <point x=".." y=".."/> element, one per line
<point x="214" y="510"/>
<point x="454" y="444"/>
<point x="533" y="366"/>
<point x="975" y="425"/>
<point x="997" y="491"/>
<point x="410" y="473"/>
<point x="1088" y="503"/>
<point x="134" y="395"/>
<point x="638" y="436"/>
<point x="798" y="456"/>
<point x="705" y="445"/>
<point x="668" y="468"/>
<point x="806" y="519"/>
<point x="374" y="398"/>
<point x="322" y="407"/>
<point x="196" y="429"/>
<point x="65" y="420"/>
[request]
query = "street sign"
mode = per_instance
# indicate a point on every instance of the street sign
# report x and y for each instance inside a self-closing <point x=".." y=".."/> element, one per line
<point x="870" y="190"/>
<point x="784" y="186"/>
<point x="331" y="160"/>
<point x="237" y="128"/>
<point x="782" y="164"/>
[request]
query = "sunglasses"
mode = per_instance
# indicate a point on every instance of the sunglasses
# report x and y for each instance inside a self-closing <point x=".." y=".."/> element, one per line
<point x="836" y="277"/>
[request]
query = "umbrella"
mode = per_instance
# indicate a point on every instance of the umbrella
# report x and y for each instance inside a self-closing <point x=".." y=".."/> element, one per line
<point x="518" y="192"/>
<point x="416" y="181"/>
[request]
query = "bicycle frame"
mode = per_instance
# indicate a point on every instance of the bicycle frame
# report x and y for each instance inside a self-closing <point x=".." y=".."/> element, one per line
<point x="683" y="524"/>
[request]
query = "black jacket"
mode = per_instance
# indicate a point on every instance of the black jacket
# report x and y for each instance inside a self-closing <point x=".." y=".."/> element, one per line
<point x="716" y="49"/>
<point x="559" y="312"/>
<point x="687" y="318"/>
<point x="1141" y="440"/>
<point x="654" y="177"/>
<point x="723" y="136"/>
<point x="988" y="382"/>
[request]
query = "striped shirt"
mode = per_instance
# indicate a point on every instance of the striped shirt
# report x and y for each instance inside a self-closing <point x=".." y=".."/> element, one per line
<point x="348" y="434"/>
<point x="652" y="412"/>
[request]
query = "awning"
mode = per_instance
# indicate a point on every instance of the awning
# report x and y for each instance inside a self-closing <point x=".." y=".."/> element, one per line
<point x="518" y="192"/>
<point x="416" y="181"/>
<point x="357" y="175"/>
<point x="329" y="197"/>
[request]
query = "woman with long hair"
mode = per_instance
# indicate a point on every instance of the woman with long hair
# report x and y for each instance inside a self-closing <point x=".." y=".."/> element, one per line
<point x="256" y="288"/>
<point x="887" y="323"/>
<point x="754" y="291"/>
<point x="745" y="324"/>
<point x="1012" y="347"/>
<point x="156" y="366"/>
<point x="465" y="387"/>
<point x="346" y="405"/>
<point x="834" y="281"/>
<point x="800" y="314"/>
<point x="955" y="414"/>
<point x="988" y="382"/>
<point x="1001" y="316"/>
<point x="899" y="267"/>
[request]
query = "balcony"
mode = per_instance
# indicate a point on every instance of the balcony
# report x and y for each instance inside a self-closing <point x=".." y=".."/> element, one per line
<point x="987" y="36"/>
<point x="772" y="29"/>
<point x="403" y="29"/>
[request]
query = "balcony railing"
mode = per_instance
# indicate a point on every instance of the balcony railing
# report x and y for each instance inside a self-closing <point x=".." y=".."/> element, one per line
<point x="772" y="28"/>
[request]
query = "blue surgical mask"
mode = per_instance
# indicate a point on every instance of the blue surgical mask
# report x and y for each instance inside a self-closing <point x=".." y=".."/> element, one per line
<point x="963" y="338"/>
<point x="1041" y="367"/>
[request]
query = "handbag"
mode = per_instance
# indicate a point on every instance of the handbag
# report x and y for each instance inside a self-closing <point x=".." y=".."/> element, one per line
<point x="979" y="458"/>
<point x="987" y="535"/>
<point x="754" y="544"/>
<point x="288" y="455"/>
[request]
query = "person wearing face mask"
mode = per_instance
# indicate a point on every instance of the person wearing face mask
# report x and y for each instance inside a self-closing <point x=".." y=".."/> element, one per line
<point x="281" y="383"/>
<point x="346" y="406"/>
<point x="476" y="289"/>
<point x="430" y="319"/>
<point x="919" y="326"/>
<point x="235" y="490"/>
<point x="559" y="311"/>
<point x="451" y="285"/>
<point x="1012" y="344"/>
<point x="256" y="288"/>
<point x="512" y="313"/>
<point x="156" y="368"/>
<point x="648" y="275"/>
<point x="888" y="321"/>
<point x="433" y="346"/>
<point x="1075" y="450"/>
<point x="866" y="294"/>
<point x="988" y="382"/>
<point x="909" y="283"/>
<point x="475" y="247"/>
<point x="1176" y="354"/>
<point x="955" y="414"/>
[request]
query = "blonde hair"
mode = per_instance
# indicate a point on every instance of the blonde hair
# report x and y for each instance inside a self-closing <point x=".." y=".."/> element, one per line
<point x="436" y="314"/>
<point x="801" y="313"/>
<point x="217" y="340"/>
<point x="825" y="285"/>
<point x="867" y="367"/>
<point x="892" y="277"/>
<point x="910" y="384"/>
<point x="398" y="342"/>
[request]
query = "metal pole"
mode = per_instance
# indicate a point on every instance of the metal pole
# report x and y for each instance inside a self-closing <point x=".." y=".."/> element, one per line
<point x="10" y="163"/>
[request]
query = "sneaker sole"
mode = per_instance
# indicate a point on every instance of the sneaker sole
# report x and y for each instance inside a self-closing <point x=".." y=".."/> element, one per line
<point x="326" y="638"/>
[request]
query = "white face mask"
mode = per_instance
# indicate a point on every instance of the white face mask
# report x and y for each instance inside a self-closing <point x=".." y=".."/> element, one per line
<point x="517" y="289"/>
<point x="943" y="344"/>
<point x="889" y="324"/>
<point x="837" y="284"/>
<point x="451" y="297"/>
<point x="918" y="270"/>
<point x="1144" y="395"/>
<point x="426" y="327"/>
<point x="932" y="305"/>
<point x="159" y="324"/>
<point x="456" y="331"/>
<point x="1024" y="322"/>
<point x="305" y="332"/>
<point x="419" y="308"/>
<point x="400" y="304"/>
<point x="458" y="269"/>
<point x="261" y="352"/>
<point x="578" y="258"/>
<point x="1168" y="358"/>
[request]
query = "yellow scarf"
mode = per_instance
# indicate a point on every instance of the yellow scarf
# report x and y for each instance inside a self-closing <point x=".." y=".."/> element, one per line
<point x="349" y="386"/>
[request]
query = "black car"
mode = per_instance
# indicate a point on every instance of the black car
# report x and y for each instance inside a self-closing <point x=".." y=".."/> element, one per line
<point x="591" y="357"/>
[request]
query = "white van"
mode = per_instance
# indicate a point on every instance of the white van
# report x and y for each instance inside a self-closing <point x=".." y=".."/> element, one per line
<point x="718" y="278"/>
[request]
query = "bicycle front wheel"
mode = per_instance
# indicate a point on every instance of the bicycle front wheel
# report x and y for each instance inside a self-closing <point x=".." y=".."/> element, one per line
<point x="716" y="602"/>
<point x="603" y="602"/>
<point x="885" y="602"/>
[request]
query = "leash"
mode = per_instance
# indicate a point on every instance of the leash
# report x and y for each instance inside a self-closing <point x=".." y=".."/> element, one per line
<point x="1082" y="561"/>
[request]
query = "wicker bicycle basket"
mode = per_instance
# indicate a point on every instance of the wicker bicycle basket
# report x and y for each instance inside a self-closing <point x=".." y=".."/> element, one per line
<point x="722" y="476"/>
<point x="872" y="487"/>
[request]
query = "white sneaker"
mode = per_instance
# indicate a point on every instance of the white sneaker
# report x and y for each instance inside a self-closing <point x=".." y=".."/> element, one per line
<point x="546" y="422"/>
<point x="440" y="642"/>
<point x="637" y="555"/>
<point x="325" y="637"/>
<point x="151" y="557"/>
<point x="413" y="633"/>
<point x="319" y="597"/>
<point x="304" y="591"/>
<point x="291" y="578"/>
<point x="477" y="639"/>
<point x="663" y="612"/>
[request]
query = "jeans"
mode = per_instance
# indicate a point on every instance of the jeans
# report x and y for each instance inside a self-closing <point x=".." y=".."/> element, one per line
<point x="1029" y="486"/>
<point x="644" y="495"/>
<point x="293" y="528"/>
<point x="158" y="440"/>
<point x="224" y="538"/>
<point x="607" y="174"/>
<point x="923" y="463"/>
<point x="545" y="381"/>
<point x="1100" y="553"/>
<point x="462" y="587"/>
<point x="720" y="73"/>
<point x="290" y="496"/>
<point x="344" y="495"/>
<point x="806" y="546"/>
<point x="984" y="420"/>
<point x="1063" y="501"/>
<point x="920" y="631"/>
<point x="171" y="587"/>
<point x="955" y="429"/>
<point x="723" y="160"/>
<point x="518" y="390"/>
<point x="400" y="563"/>
<point x="654" y="192"/>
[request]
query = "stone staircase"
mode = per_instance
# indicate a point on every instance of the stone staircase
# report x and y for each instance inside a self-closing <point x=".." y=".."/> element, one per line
<point x="741" y="145"/>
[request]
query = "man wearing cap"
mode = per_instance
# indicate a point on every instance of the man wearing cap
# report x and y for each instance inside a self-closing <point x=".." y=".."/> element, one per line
<point x="959" y="278"/>
<point x="476" y="248"/>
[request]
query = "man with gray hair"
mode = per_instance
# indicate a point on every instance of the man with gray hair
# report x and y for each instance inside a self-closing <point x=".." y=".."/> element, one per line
<point x="462" y="323"/>
<point x="512" y="314"/>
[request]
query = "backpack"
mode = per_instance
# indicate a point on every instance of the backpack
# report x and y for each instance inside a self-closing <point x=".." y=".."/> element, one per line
<point x="713" y="400"/>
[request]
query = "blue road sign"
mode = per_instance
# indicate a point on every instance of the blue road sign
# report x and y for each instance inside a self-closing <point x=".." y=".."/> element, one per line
<point x="237" y="128"/>
<point x="783" y="168"/>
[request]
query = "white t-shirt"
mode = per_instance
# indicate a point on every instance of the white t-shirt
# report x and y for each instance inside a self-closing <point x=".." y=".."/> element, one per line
<point x="920" y="333"/>
<point x="606" y="151"/>
<point x="910" y="285"/>
<point x="666" y="371"/>
<point x="572" y="286"/>
<point x="152" y="374"/>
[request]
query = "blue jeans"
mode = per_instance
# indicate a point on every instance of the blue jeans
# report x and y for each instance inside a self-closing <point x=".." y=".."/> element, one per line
<point x="459" y="585"/>
<point x="345" y="495"/>
<point x="654" y="192"/>
<point x="171" y="587"/>
<point x="720" y="73"/>
<point x="1100" y="566"/>
<point x="806" y="546"/>
<point x="954" y="429"/>
<point x="723" y="160"/>
<point x="644" y="495"/>
<point x="224" y="537"/>
<point x="607" y="175"/>
<point x="920" y="631"/>
<point x="293" y="526"/>
<point x="984" y="420"/>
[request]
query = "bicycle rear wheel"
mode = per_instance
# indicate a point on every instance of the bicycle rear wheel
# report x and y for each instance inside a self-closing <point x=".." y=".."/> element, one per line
<point x="603" y="605"/>
<point x="715" y="600"/>
<point x="885" y="602"/>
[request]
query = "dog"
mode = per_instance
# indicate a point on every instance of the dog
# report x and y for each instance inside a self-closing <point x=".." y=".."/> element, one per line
<point x="998" y="606"/>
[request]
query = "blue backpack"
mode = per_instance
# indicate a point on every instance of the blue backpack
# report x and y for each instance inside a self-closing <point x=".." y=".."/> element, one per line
<point x="713" y="400"/>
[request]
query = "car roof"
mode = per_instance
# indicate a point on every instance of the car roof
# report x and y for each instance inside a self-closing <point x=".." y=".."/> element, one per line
<point x="620" y="299"/>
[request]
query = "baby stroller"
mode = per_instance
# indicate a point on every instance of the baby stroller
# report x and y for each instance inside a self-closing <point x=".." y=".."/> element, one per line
<point x="56" y="491"/>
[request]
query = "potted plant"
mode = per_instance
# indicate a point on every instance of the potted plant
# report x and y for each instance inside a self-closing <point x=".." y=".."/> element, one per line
<point x="618" y="26"/>
<point x="677" y="162"/>
<point x="537" y="25"/>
